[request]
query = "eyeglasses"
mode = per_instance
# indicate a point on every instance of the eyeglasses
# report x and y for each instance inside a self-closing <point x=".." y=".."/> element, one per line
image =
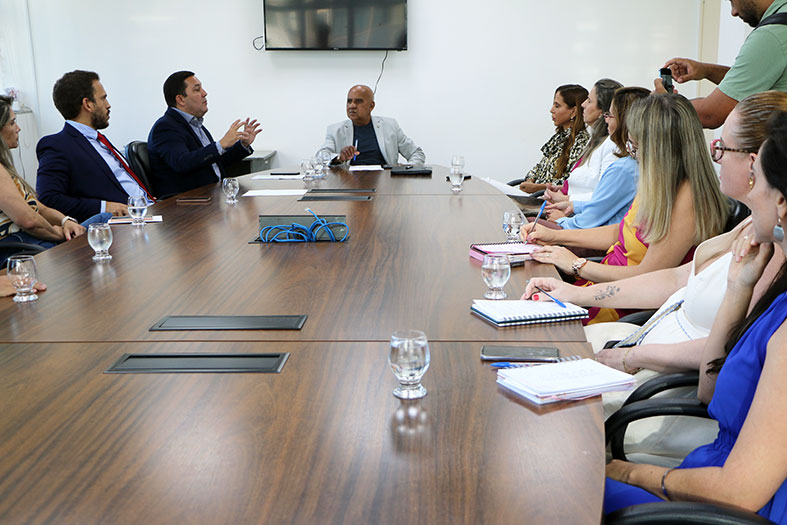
<point x="717" y="149"/>
<point x="607" y="114"/>
<point x="632" y="149"/>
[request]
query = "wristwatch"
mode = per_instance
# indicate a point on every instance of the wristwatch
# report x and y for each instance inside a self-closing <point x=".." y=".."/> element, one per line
<point x="67" y="218"/>
<point x="577" y="265"/>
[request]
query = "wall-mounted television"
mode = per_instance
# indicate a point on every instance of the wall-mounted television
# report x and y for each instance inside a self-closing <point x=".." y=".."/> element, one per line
<point x="335" y="24"/>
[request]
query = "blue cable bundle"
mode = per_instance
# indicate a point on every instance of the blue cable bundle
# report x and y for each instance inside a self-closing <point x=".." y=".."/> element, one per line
<point x="299" y="233"/>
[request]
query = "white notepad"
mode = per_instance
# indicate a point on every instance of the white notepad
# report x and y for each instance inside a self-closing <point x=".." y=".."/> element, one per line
<point x="274" y="193"/>
<point x="519" y="312"/>
<point x="371" y="167"/>
<point x="569" y="380"/>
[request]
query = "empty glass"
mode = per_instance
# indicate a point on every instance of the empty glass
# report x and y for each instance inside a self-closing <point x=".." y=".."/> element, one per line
<point x="318" y="168"/>
<point x="409" y="360"/>
<point x="230" y="186"/>
<point x="137" y="209"/>
<point x="325" y="157"/>
<point x="458" y="161"/>
<point x="496" y="270"/>
<point x="22" y="274"/>
<point x="99" y="236"/>
<point x="307" y="168"/>
<point x="512" y="222"/>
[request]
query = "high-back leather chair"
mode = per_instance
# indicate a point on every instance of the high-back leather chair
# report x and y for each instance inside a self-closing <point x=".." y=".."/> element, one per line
<point x="137" y="154"/>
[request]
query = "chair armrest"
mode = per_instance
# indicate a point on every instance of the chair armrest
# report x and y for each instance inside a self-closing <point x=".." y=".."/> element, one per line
<point x="670" y="512"/>
<point x="638" y="318"/>
<point x="616" y="424"/>
<point x="661" y="383"/>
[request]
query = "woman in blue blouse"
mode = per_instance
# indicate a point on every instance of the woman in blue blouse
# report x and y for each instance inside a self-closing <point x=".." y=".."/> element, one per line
<point x="745" y="366"/>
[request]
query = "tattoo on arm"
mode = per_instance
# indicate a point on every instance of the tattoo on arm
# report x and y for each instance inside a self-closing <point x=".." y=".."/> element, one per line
<point x="609" y="292"/>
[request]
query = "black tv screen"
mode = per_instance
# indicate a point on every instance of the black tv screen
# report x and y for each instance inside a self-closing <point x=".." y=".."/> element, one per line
<point x="335" y="24"/>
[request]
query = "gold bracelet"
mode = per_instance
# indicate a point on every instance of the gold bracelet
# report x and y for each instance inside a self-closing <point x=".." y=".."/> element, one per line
<point x="626" y="369"/>
<point x="664" y="480"/>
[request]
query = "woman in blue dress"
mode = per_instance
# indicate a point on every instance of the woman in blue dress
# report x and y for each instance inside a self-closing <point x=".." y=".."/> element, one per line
<point x="746" y="466"/>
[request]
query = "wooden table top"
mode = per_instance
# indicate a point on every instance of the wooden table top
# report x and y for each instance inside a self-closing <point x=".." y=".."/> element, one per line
<point x="324" y="441"/>
<point x="405" y="265"/>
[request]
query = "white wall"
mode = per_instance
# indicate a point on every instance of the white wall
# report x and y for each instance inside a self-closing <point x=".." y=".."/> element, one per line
<point x="478" y="77"/>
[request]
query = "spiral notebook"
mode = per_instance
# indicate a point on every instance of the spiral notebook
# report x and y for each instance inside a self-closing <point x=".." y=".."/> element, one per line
<point x="513" y="312"/>
<point x="517" y="252"/>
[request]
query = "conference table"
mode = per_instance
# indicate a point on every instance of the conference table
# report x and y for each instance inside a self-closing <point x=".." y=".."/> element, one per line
<point x="322" y="441"/>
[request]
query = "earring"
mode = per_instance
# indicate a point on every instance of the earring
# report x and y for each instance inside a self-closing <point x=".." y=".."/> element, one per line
<point x="778" y="231"/>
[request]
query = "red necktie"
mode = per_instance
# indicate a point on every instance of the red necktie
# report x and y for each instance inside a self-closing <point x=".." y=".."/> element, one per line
<point x="103" y="140"/>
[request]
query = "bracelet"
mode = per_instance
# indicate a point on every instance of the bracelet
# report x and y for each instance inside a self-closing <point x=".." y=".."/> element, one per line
<point x="663" y="480"/>
<point x="626" y="369"/>
<point x="66" y="219"/>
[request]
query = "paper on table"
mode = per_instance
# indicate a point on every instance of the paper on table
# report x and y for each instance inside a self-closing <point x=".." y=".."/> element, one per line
<point x="567" y="380"/>
<point x="505" y="188"/>
<point x="129" y="220"/>
<point x="274" y="193"/>
<point x="269" y="176"/>
<point x="372" y="167"/>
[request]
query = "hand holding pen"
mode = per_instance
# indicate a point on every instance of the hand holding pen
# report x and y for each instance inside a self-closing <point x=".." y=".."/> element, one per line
<point x="348" y="152"/>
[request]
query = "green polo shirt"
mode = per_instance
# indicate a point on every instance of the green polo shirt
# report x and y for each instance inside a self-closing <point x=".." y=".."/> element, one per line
<point x="761" y="63"/>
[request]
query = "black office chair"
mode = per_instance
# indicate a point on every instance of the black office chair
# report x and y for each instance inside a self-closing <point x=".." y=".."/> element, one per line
<point x="138" y="159"/>
<point x="7" y="249"/>
<point x="738" y="212"/>
<point x="639" y="405"/>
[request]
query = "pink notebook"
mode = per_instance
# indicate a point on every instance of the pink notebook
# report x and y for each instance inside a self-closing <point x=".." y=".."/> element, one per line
<point x="516" y="251"/>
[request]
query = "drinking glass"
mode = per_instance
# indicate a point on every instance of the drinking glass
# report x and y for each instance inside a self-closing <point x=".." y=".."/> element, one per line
<point x="138" y="208"/>
<point x="230" y="186"/>
<point x="99" y="236"/>
<point x="496" y="270"/>
<point x="307" y="169"/>
<point x="22" y="274"/>
<point x="318" y="167"/>
<point x="458" y="161"/>
<point x="325" y="157"/>
<point x="409" y="360"/>
<point x="457" y="177"/>
<point x="512" y="222"/>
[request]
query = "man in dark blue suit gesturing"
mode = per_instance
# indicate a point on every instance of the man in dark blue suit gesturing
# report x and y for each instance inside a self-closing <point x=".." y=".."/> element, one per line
<point x="183" y="154"/>
<point x="80" y="172"/>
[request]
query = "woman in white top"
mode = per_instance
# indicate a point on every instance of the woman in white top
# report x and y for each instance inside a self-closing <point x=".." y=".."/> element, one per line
<point x="597" y="155"/>
<point x="689" y="296"/>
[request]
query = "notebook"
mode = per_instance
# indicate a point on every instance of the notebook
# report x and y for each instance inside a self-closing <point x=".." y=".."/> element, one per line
<point x="517" y="252"/>
<point x="519" y="312"/>
<point x="569" y="380"/>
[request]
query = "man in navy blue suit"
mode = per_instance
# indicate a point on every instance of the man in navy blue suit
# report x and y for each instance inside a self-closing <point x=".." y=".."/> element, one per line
<point x="80" y="173"/>
<point x="183" y="154"/>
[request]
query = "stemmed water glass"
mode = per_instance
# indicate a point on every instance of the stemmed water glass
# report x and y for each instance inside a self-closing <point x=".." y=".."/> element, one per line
<point x="230" y="186"/>
<point x="512" y="222"/>
<point x="307" y="168"/>
<point x="23" y="276"/>
<point x="409" y="360"/>
<point x="325" y="157"/>
<point x="496" y="270"/>
<point x="137" y="209"/>
<point x="99" y="236"/>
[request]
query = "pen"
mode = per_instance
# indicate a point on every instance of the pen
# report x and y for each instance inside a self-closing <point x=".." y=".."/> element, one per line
<point x="356" y="148"/>
<point x="543" y="205"/>
<point x="558" y="301"/>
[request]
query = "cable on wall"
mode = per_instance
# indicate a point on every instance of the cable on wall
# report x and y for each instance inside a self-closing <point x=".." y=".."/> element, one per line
<point x="254" y="43"/>
<point x="382" y="67"/>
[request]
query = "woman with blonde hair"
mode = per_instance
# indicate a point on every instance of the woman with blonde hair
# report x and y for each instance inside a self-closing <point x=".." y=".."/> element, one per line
<point x="563" y="149"/>
<point x="22" y="217"/>
<point x="678" y="203"/>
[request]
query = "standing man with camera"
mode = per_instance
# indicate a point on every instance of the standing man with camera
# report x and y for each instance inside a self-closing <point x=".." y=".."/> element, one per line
<point x="761" y="63"/>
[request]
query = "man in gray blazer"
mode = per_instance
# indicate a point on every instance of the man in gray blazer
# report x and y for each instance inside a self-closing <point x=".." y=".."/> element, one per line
<point x="368" y="140"/>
